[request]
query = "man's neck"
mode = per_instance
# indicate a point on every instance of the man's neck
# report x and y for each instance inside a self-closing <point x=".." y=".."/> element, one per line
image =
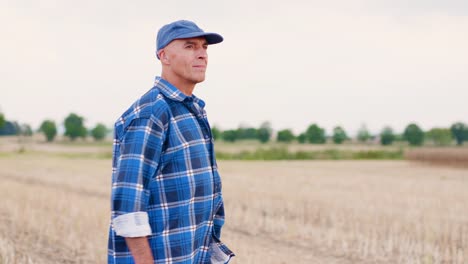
<point x="183" y="86"/>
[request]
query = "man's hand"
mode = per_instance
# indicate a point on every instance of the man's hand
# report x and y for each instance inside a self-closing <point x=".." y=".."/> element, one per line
<point x="140" y="249"/>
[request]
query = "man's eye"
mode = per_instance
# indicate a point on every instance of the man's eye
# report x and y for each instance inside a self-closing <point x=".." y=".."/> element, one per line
<point x="189" y="47"/>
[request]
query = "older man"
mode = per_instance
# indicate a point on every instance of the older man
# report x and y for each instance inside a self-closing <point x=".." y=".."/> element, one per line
<point x="166" y="199"/>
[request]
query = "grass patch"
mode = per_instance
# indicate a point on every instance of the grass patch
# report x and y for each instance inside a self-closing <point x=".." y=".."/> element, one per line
<point x="66" y="155"/>
<point x="84" y="143"/>
<point x="69" y="155"/>
<point x="256" y="153"/>
<point x="327" y="154"/>
<point x="7" y="154"/>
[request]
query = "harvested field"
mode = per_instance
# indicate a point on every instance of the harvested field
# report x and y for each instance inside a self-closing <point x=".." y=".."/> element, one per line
<point x="56" y="210"/>
<point x="451" y="156"/>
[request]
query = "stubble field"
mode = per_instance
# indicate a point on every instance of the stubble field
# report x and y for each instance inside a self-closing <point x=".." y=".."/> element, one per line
<point x="55" y="209"/>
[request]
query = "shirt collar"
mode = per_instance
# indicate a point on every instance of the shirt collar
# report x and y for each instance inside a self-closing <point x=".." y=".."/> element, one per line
<point x="171" y="92"/>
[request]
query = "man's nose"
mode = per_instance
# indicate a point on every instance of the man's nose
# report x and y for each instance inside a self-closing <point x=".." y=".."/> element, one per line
<point x="202" y="54"/>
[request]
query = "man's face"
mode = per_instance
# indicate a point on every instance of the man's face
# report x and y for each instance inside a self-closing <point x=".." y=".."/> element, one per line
<point x="187" y="59"/>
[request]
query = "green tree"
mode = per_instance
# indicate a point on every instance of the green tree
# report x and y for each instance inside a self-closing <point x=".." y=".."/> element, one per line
<point x="315" y="134"/>
<point x="49" y="129"/>
<point x="74" y="126"/>
<point x="387" y="136"/>
<point x="216" y="133"/>
<point x="264" y="132"/>
<point x="285" y="135"/>
<point x="414" y="135"/>
<point x="2" y="120"/>
<point x="459" y="132"/>
<point x="440" y="136"/>
<point x="339" y="135"/>
<point x="302" y="138"/>
<point x="363" y="134"/>
<point x="99" y="132"/>
<point x="229" y="135"/>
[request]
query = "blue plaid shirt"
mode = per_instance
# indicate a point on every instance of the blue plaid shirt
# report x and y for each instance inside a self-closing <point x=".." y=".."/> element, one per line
<point x="165" y="182"/>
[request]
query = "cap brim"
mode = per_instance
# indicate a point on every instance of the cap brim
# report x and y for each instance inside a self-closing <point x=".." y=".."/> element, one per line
<point x="211" y="38"/>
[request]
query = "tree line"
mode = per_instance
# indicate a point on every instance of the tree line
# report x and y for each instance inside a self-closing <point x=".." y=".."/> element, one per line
<point x="73" y="124"/>
<point x="314" y="134"/>
<point x="13" y="128"/>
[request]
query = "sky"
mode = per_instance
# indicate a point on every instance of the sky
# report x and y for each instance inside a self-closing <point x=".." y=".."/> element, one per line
<point x="292" y="63"/>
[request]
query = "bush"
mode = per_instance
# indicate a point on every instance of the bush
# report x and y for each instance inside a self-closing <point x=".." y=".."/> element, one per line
<point x="285" y="135"/>
<point x="440" y="136"/>
<point x="99" y="132"/>
<point x="216" y="133"/>
<point x="302" y="138"/>
<point x="229" y="135"/>
<point x="246" y="133"/>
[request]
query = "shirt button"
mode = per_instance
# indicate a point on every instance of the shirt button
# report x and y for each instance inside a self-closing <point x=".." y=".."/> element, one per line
<point x="207" y="137"/>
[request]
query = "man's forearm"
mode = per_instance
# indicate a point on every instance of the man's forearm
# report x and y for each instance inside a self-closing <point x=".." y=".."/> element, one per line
<point x="141" y="251"/>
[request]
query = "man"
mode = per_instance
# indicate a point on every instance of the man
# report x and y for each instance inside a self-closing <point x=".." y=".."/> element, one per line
<point x="166" y="200"/>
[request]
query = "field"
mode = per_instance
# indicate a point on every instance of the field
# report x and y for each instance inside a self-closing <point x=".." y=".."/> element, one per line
<point x="55" y="208"/>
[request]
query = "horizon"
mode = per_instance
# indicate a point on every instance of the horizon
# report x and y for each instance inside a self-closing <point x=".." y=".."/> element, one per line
<point x="328" y="132"/>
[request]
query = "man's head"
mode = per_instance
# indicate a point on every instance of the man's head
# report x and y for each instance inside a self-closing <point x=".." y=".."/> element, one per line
<point x="182" y="49"/>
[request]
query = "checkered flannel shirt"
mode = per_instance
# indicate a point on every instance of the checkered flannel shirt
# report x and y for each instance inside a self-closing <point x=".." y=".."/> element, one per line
<point x="165" y="182"/>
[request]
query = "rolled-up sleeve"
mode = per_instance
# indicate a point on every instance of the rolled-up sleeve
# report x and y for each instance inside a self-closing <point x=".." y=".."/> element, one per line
<point x="135" y="166"/>
<point x="132" y="225"/>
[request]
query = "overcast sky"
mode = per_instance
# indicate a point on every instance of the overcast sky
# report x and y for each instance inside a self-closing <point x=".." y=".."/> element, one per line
<point x="293" y="63"/>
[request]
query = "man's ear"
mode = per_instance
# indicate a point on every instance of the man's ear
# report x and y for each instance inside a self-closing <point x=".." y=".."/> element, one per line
<point x="163" y="57"/>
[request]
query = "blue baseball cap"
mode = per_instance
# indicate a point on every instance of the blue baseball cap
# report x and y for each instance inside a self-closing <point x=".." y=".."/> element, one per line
<point x="182" y="29"/>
